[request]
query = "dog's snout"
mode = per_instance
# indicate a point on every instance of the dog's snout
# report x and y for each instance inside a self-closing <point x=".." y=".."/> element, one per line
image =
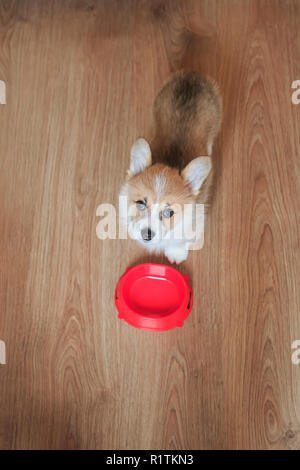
<point x="147" y="234"/>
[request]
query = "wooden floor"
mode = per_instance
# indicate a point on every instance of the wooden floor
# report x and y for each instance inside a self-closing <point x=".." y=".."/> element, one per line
<point x="81" y="76"/>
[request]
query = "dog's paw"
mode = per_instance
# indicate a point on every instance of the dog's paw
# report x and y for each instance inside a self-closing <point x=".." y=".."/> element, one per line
<point x="176" y="254"/>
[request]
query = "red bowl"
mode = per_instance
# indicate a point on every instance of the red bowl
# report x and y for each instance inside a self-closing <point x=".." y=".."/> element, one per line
<point x="153" y="297"/>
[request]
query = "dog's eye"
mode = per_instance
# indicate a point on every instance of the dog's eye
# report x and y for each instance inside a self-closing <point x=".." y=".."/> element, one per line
<point x="140" y="205"/>
<point x="168" y="212"/>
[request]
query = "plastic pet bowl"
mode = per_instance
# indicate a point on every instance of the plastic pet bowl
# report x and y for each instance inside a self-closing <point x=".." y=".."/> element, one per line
<point x="153" y="297"/>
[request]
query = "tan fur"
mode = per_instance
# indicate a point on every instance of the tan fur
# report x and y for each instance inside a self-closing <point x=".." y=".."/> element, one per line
<point x="175" y="193"/>
<point x="187" y="111"/>
<point x="187" y="118"/>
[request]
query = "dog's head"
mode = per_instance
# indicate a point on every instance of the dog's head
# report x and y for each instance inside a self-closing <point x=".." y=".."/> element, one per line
<point x="155" y="197"/>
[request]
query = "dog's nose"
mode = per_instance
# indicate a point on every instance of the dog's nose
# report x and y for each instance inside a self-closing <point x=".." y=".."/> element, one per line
<point x="147" y="234"/>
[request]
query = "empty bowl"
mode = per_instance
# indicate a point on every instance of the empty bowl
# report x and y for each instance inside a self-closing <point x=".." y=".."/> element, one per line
<point x="153" y="297"/>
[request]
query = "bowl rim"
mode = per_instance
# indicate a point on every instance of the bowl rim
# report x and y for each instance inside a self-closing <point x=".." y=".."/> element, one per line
<point x="154" y="322"/>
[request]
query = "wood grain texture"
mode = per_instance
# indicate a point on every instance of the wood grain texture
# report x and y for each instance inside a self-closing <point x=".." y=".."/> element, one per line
<point x="81" y="76"/>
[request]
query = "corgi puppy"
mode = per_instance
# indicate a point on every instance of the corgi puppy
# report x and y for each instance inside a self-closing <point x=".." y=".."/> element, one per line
<point x="169" y="176"/>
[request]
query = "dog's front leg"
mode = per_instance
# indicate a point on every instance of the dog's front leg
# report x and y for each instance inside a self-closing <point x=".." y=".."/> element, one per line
<point x="176" y="254"/>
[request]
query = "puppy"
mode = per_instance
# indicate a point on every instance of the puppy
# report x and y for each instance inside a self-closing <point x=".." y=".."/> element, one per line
<point x="170" y="176"/>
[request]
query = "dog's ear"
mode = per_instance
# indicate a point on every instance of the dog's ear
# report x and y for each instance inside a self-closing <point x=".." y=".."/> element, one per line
<point x="140" y="157"/>
<point x="196" y="172"/>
